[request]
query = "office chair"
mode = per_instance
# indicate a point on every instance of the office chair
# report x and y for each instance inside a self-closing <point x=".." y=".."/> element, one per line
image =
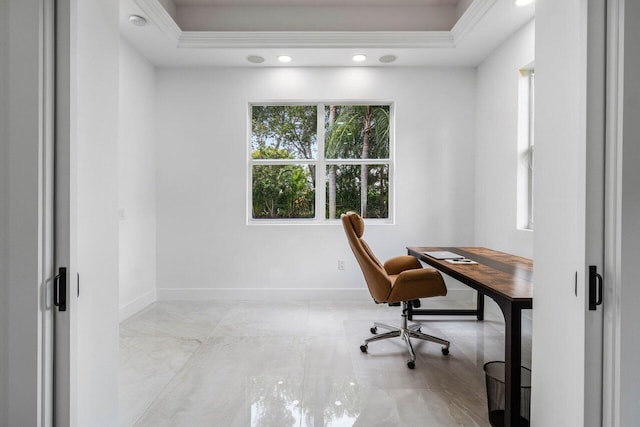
<point x="400" y="279"/>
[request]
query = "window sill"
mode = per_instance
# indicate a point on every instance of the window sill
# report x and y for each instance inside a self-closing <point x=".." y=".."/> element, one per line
<point x="314" y="222"/>
<point x="529" y="230"/>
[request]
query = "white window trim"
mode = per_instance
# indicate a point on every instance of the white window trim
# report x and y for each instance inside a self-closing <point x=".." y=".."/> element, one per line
<point x="321" y="165"/>
<point x="525" y="150"/>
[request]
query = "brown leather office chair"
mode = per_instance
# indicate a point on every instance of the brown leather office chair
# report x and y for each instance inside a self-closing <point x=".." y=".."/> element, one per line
<point x="400" y="279"/>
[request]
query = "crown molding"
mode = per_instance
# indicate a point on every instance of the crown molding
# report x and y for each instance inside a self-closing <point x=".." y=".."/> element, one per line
<point x="314" y="39"/>
<point x="470" y="19"/>
<point x="157" y="14"/>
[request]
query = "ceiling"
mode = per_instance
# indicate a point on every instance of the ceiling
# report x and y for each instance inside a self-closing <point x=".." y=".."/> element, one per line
<point x="314" y="2"/>
<point x="320" y="33"/>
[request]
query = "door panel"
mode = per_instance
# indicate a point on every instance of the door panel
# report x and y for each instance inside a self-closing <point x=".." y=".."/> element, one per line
<point x="569" y="211"/>
<point x="86" y="212"/>
<point x="97" y="207"/>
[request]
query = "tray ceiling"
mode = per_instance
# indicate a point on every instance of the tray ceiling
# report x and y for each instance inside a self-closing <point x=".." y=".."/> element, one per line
<point x="321" y="33"/>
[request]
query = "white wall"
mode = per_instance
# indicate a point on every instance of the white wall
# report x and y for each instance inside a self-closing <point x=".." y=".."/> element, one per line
<point x="629" y="350"/>
<point x="203" y="240"/>
<point x="136" y="181"/>
<point x="98" y="43"/>
<point x="496" y="145"/>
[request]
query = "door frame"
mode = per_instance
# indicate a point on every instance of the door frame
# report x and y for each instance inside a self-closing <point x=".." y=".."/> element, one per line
<point x="611" y="410"/>
<point x="595" y="203"/>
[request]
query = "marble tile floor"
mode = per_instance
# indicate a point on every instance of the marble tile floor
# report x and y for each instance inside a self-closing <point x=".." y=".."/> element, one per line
<point x="267" y="364"/>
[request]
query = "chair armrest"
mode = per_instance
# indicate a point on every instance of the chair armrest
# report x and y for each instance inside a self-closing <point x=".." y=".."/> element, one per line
<point x="414" y="284"/>
<point x="401" y="263"/>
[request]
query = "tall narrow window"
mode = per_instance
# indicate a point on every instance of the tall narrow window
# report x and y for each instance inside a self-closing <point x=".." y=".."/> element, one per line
<point x="526" y="117"/>
<point x="318" y="161"/>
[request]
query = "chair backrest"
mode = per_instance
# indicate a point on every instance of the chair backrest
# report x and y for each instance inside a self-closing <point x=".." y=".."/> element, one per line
<point x="378" y="281"/>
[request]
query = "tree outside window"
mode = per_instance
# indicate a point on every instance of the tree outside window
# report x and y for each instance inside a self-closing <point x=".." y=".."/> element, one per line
<point x="295" y="147"/>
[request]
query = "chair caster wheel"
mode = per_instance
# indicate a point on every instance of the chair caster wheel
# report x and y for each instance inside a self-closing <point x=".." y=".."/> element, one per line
<point x="445" y="351"/>
<point x="363" y="348"/>
<point x="411" y="364"/>
<point x="374" y="330"/>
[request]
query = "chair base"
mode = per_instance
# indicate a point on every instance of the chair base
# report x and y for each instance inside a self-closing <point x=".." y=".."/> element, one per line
<point x="406" y="332"/>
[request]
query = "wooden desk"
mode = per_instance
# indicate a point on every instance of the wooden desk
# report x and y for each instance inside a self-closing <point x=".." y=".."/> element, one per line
<point x="508" y="280"/>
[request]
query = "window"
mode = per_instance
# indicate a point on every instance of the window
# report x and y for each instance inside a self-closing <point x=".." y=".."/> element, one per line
<point x="317" y="161"/>
<point x="526" y="148"/>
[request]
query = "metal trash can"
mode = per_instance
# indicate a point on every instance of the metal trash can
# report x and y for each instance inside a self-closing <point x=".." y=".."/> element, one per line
<point x="494" y="375"/>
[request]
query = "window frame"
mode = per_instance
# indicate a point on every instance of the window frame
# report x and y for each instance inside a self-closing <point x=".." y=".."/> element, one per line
<point x="526" y="148"/>
<point x="320" y="162"/>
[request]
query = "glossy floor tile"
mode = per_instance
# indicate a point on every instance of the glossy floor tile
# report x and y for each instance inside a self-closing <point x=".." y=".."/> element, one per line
<point x="294" y="363"/>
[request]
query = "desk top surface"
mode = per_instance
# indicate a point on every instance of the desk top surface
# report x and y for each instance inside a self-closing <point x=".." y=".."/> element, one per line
<point x="501" y="274"/>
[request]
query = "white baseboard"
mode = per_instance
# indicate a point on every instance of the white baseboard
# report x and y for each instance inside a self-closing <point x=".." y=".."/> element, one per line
<point x="137" y="304"/>
<point x="279" y="294"/>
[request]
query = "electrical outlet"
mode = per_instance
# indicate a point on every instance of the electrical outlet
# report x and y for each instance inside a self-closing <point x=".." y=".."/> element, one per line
<point x="340" y="264"/>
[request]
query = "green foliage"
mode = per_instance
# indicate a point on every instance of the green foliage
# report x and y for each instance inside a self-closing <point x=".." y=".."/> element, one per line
<point x="290" y="132"/>
<point x="289" y="127"/>
<point x="281" y="191"/>
<point x="344" y="137"/>
<point x="358" y="132"/>
<point x="271" y="153"/>
<point x="348" y="190"/>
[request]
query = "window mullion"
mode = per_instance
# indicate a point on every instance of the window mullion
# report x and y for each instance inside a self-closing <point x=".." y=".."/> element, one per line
<point x="270" y="162"/>
<point x="321" y="169"/>
<point x="367" y="161"/>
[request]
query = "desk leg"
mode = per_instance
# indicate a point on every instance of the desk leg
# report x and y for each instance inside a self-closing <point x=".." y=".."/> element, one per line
<point x="480" y="306"/>
<point x="513" y="360"/>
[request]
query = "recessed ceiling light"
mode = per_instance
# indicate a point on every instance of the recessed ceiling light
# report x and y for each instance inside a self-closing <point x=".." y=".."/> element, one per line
<point x="359" y="57"/>
<point x="284" y="58"/>
<point x="386" y="59"/>
<point x="137" y="20"/>
<point x="255" y="59"/>
<point x="523" y="2"/>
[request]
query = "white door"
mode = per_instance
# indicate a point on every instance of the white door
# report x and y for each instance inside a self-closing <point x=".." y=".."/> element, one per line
<point x="569" y="200"/>
<point x="86" y="337"/>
